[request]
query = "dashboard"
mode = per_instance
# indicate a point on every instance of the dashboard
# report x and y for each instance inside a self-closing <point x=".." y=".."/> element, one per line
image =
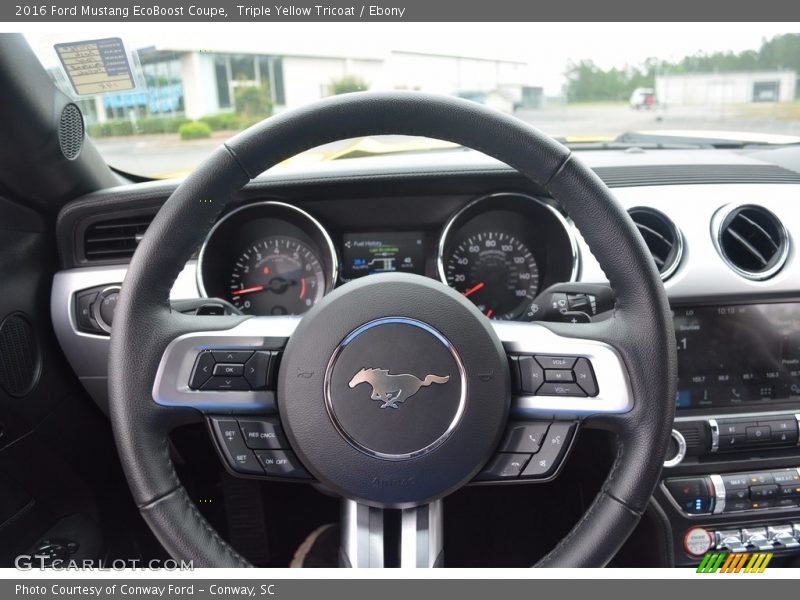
<point x="721" y="226"/>
<point x="500" y="250"/>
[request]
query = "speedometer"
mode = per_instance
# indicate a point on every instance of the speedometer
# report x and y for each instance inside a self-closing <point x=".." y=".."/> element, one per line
<point x="278" y="275"/>
<point x="496" y="271"/>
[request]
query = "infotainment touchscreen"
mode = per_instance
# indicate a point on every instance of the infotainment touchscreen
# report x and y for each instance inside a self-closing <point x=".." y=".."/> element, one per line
<point x="738" y="354"/>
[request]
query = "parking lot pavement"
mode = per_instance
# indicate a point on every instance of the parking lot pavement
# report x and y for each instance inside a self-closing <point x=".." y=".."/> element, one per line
<point x="167" y="155"/>
<point x="613" y="119"/>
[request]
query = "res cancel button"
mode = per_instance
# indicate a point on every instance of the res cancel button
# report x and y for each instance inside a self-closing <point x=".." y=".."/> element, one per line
<point x="697" y="541"/>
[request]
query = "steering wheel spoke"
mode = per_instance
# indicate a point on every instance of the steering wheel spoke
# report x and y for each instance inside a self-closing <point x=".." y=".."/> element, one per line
<point x="366" y="533"/>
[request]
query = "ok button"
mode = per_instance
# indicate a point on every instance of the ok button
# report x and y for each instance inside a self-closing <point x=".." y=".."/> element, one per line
<point x="227" y="370"/>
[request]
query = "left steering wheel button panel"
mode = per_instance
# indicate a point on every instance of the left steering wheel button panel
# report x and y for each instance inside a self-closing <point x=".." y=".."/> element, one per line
<point x="229" y="438"/>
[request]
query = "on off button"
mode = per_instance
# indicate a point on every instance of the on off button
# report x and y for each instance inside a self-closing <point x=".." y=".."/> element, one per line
<point x="697" y="541"/>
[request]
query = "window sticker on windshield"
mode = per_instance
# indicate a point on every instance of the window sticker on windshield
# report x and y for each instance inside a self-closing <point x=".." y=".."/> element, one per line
<point x="96" y="66"/>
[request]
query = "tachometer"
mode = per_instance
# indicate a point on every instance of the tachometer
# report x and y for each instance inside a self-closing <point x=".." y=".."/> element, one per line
<point x="278" y="275"/>
<point x="496" y="271"/>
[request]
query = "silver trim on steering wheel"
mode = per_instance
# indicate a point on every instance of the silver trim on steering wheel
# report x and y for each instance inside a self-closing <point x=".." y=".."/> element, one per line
<point x="171" y="386"/>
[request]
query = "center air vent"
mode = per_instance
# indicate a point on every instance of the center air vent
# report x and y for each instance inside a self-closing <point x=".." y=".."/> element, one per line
<point x="114" y="240"/>
<point x="662" y="237"/>
<point x="751" y="240"/>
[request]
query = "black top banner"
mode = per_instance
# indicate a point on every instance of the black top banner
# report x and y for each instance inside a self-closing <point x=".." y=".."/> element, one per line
<point x="399" y="10"/>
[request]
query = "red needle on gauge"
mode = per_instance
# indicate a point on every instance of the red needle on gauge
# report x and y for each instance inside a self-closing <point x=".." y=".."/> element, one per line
<point x="250" y="290"/>
<point x="474" y="288"/>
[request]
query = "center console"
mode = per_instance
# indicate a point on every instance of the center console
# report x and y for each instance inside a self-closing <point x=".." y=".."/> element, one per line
<point x="731" y="480"/>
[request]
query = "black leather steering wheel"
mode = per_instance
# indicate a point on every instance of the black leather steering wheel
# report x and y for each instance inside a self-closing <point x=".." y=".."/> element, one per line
<point x="639" y="337"/>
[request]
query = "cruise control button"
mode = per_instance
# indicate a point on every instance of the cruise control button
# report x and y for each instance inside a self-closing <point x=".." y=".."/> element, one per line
<point x="232" y="356"/>
<point x="226" y="384"/>
<point x="203" y="370"/>
<point x="239" y="456"/>
<point x="524" y="438"/>
<point x="531" y="375"/>
<point x="281" y="463"/>
<point x="256" y="369"/>
<point x="558" y="375"/>
<point x="561" y="389"/>
<point x="228" y="370"/>
<point x="584" y="376"/>
<point x="556" y="362"/>
<point x="544" y="463"/>
<point x="504" y="466"/>
<point x="263" y="435"/>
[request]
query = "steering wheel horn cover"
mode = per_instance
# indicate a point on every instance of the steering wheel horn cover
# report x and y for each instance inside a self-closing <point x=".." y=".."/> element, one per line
<point x="640" y="329"/>
<point x="408" y="442"/>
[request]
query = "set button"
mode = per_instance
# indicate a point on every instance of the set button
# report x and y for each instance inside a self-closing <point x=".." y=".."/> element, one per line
<point x="256" y="447"/>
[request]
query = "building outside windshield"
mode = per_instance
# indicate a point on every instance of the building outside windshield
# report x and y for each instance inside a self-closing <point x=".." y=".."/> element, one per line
<point x="194" y="87"/>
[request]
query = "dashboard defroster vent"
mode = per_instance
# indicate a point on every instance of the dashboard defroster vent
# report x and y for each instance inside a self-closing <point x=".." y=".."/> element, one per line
<point x="662" y="237"/>
<point x="115" y="239"/>
<point x="751" y="239"/>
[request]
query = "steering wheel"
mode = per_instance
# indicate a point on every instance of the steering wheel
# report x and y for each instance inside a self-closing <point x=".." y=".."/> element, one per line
<point x="460" y="378"/>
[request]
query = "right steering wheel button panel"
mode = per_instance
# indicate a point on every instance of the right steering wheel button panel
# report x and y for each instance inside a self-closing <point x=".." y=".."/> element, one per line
<point x="542" y="375"/>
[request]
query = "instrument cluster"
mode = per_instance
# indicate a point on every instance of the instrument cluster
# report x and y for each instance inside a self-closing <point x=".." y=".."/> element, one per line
<point x="500" y="251"/>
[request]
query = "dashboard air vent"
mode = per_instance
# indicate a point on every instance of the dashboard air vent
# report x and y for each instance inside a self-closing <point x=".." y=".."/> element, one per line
<point x="751" y="240"/>
<point x="662" y="237"/>
<point x="115" y="239"/>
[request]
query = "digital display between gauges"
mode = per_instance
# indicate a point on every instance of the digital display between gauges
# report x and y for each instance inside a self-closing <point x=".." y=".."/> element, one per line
<point x="496" y="271"/>
<point x="368" y="253"/>
<point x="278" y="275"/>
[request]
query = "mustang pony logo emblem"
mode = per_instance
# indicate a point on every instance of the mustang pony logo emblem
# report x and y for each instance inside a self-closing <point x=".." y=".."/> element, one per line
<point x="391" y="389"/>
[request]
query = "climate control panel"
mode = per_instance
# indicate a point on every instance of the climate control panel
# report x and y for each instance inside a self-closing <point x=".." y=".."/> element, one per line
<point x="735" y="492"/>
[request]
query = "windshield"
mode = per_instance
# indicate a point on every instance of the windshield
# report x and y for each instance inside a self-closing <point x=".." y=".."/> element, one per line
<point x="193" y="86"/>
